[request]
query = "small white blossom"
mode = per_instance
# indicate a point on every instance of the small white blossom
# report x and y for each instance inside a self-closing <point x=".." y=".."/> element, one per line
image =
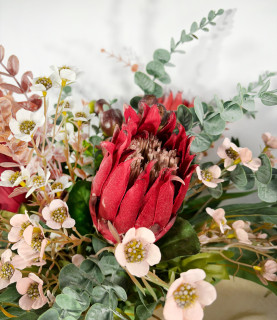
<point x="60" y="184"/>
<point x="38" y="181"/>
<point x="63" y="75"/>
<point x="81" y="113"/>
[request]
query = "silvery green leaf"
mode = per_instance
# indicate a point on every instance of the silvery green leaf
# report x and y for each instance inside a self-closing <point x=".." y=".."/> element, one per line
<point x="91" y="271"/>
<point x="206" y="29"/>
<point x="220" y="12"/>
<point x="69" y="305"/>
<point x="203" y="21"/>
<point x="158" y="90"/>
<point x="184" y="116"/>
<point x="172" y="44"/>
<point x="79" y="295"/>
<point x="238" y="176"/>
<point x="219" y="105"/>
<point x="248" y="102"/>
<point x="264" y="88"/>
<point x="50" y="314"/>
<point x="232" y="112"/>
<point x="161" y="55"/>
<point x="165" y="78"/>
<point x="214" y="125"/>
<point x="187" y="38"/>
<point x="144" y="82"/>
<point x="198" y="108"/>
<point x="201" y="142"/>
<point x="169" y="64"/>
<point x="108" y="265"/>
<point x="155" y="68"/>
<point x="269" y="99"/>
<point x="211" y="15"/>
<point x="216" y="192"/>
<point x="250" y="179"/>
<point x="268" y="192"/>
<point x="264" y="173"/>
<point x="100" y="312"/>
<point x="194" y="27"/>
<point x="66" y="279"/>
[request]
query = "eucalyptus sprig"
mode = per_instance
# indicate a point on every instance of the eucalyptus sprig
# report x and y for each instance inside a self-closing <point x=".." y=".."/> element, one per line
<point x="161" y="57"/>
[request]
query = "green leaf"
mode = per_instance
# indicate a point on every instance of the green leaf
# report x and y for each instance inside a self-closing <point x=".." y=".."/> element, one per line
<point x="161" y="55"/>
<point x="95" y="140"/>
<point x="109" y="265"/>
<point x="78" y="204"/>
<point x="202" y="23"/>
<point x="50" y="314"/>
<point x="66" y="302"/>
<point x="264" y="173"/>
<point x="264" y="88"/>
<point x="201" y="143"/>
<point x="269" y="99"/>
<point x="216" y="192"/>
<point x="220" y="12"/>
<point x="165" y="78"/>
<point x="100" y="312"/>
<point x="134" y="102"/>
<point x="144" y="82"/>
<point x="232" y="112"/>
<point x="194" y="27"/>
<point x="98" y="244"/>
<point x="198" y="108"/>
<point x="155" y="68"/>
<point x="248" y="102"/>
<point x="66" y="279"/>
<point x="144" y="312"/>
<point x="158" y="90"/>
<point x="79" y="295"/>
<point x="185" y="37"/>
<point x="268" y="192"/>
<point x="172" y="44"/>
<point x="211" y="15"/>
<point x="10" y="294"/>
<point x="180" y="240"/>
<point x="214" y="125"/>
<point x="238" y="176"/>
<point x="219" y="105"/>
<point x="250" y="179"/>
<point x="184" y="116"/>
<point x="91" y="271"/>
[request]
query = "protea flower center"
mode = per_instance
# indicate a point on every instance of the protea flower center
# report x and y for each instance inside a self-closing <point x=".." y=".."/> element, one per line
<point x="135" y="251"/>
<point x="33" y="292"/>
<point x="47" y="82"/>
<point x="148" y="149"/>
<point x="14" y="177"/>
<point x="27" y="126"/>
<point x="231" y="153"/>
<point x="59" y="215"/>
<point x="184" y="295"/>
<point x="6" y="271"/>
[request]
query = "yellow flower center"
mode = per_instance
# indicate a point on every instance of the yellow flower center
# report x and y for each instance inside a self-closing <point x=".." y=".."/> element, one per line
<point x="134" y="251"/>
<point x="38" y="181"/>
<point x="59" y="215"/>
<point x="64" y="68"/>
<point x="24" y="226"/>
<point x="6" y="271"/>
<point x="57" y="185"/>
<point x="80" y="115"/>
<point x="33" y="292"/>
<point x="36" y="240"/>
<point x="27" y="126"/>
<point x="231" y="153"/>
<point x="184" y="295"/>
<point x="14" y="177"/>
<point x="206" y="175"/>
<point x="47" y="82"/>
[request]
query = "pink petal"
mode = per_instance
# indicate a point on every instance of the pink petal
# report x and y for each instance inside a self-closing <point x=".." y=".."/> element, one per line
<point x="53" y="224"/>
<point x="46" y="213"/>
<point x="39" y="302"/>
<point x="198" y="172"/>
<point x="153" y="255"/>
<point x="132" y="202"/>
<point x="68" y="223"/>
<point x="242" y="236"/>
<point x="35" y="278"/>
<point x="114" y="191"/>
<point x="193" y="275"/>
<point x="120" y="254"/>
<point x="215" y="171"/>
<point x="56" y="204"/>
<point x="172" y="311"/>
<point x="25" y="302"/>
<point x="173" y="287"/>
<point x="245" y="154"/>
<point x="4" y="283"/>
<point x="14" y="234"/>
<point x="6" y="255"/>
<point x="18" y="219"/>
<point x="28" y="234"/>
<point x="206" y="293"/>
<point x="210" y="184"/>
<point x="270" y="266"/>
<point x="195" y="312"/>
<point x="130" y="235"/>
<point x="219" y="214"/>
<point x="18" y="262"/>
<point x="138" y="269"/>
<point x="77" y="259"/>
<point x="210" y="212"/>
<point x="16" y="276"/>
<point x="23" y="285"/>
<point x="145" y="234"/>
<point x="26" y="252"/>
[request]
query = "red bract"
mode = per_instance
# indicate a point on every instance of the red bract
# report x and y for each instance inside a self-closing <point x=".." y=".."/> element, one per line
<point x="144" y="176"/>
<point x="172" y="103"/>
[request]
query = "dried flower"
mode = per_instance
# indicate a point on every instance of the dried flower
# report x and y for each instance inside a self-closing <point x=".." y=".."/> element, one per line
<point x="188" y="295"/>
<point x="137" y="251"/>
<point x="209" y="176"/>
<point x="242" y="230"/>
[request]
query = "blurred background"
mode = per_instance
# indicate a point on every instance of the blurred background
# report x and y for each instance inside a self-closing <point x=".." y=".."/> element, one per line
<point x="238" y="49"/>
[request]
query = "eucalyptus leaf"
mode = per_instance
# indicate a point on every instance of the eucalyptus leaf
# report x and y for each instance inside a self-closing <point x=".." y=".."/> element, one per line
<point x="232" y="112"/>
<point x="180" y="240"/>
<point x="155" y="68"/>
<point x="264" y="88"/>
<point x="144" y="82"/>
<point x="184" y="116"/>
<point x="158" y="90"/>
<point x="269" y="99"/>
<point x="264" y="172"/>
<point x="79" y="295"/>
<point x="194" y="27"/>
<point x="200" y="143"/>
<point x="144" y="312"/>
<point x="109" y="265"/>
<point x="67" y="302"/>
<point x="198" y="108"/>
<point x="50" y="314"/>
<point x="211" y="15"/>
<point x="66" y="278"/>
<point x="100" y="312"/>
<point x="219" y="105"/>
<point x="161" y="55"/>
<point x="238" y="176"/>
<point x="268" y="192"/>
<point x="216" y="192"/>
<point x="248" y="102"/>
<point x="214" y="125"/>
<point x="165" y="78"/>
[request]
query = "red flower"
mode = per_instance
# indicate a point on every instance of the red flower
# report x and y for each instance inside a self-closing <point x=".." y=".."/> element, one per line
<point x="172" y="104"/>
<point x="6" y="203"/>
<point x="144" y="176"/>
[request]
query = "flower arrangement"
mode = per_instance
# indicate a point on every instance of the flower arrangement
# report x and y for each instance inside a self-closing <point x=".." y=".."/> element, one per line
<point x="111" y="216"/>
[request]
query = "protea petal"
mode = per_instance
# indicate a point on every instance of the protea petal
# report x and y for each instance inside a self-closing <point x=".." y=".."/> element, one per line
<point x="114" y="191"/>
<point x="152" y="121"/>
<point x="177" y="101"/>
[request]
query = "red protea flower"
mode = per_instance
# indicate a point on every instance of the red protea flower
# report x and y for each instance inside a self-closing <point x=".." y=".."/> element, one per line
<point x="172" y="103"/>
<point x="144" y="176"/>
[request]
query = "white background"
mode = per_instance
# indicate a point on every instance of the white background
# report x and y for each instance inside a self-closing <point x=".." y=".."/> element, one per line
<point x="238" y="49"/>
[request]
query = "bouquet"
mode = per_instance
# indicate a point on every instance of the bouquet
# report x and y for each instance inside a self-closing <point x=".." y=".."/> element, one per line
<point x="108" y="214"/>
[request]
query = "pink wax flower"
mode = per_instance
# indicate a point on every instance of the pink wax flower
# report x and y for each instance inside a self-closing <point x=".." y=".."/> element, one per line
<point x="269" y="140"/>
<point x="57" y="215"/>
<point x="209" y="176"/>
<point x="269" y="270"/>
<point x="248" y="161"/>
<point x="9" y="266"/>
<point x="137" y="251"/>
<point x="219" y="217"/>
<point x="230" y="153"/>
<point x="188" y="295"/>
<point x="242" y="230"/>
<point x="19" y="223"/>
<point x="31" y="289"/>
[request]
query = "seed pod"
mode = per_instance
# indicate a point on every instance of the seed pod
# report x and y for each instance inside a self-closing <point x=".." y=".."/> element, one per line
<point x="109" y="119"/>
